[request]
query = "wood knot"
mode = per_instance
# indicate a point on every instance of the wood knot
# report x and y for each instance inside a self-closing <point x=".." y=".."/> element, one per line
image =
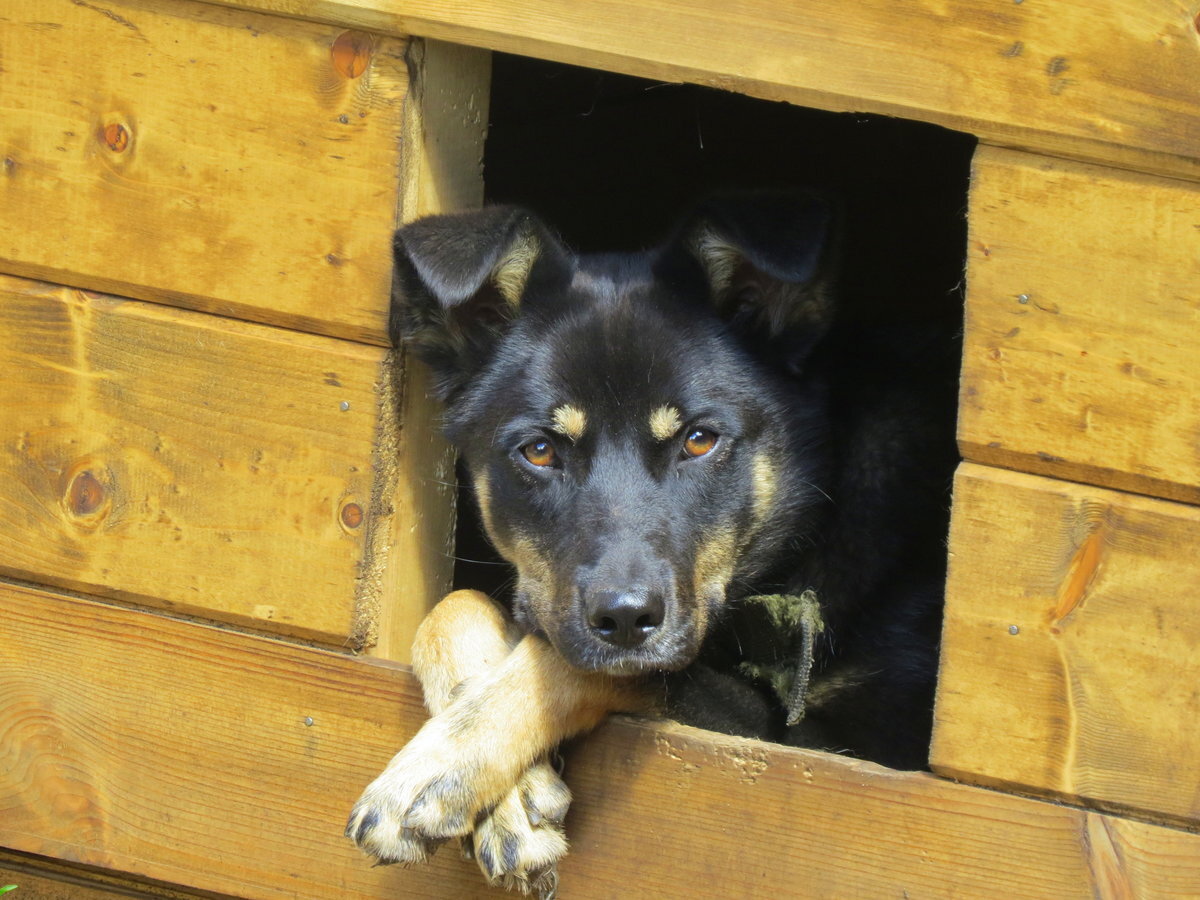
<point x="352" y="515"/>
<point x="351" y="53"/>
<point x="115" y="136"/>
<point x="87" y="497"/>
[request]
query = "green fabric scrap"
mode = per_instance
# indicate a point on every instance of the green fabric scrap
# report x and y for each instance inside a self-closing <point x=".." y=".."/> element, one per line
<point x="796" y="621"/>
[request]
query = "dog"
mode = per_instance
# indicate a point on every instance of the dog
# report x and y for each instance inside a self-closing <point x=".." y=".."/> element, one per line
<point x="722" y="506"/>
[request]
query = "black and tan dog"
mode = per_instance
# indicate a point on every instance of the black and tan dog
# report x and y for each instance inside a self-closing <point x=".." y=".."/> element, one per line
<point x="720" y="504"/>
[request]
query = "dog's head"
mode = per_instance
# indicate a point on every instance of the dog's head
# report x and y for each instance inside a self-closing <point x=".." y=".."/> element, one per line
<point x="631" y="456"/>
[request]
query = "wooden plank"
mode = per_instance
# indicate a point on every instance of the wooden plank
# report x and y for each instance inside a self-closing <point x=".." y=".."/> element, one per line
<point x="211" y="158"/>
<point x="1091" y="79"/>
<point x="445" y="123"/>
<point x="1083" y="325"/>
<point x="181" y="752"/>
<point x="662" y="810"/>
<point x="1071" y="651"/>
<point x="205" y="774"/>
<point x="181" y="460"/>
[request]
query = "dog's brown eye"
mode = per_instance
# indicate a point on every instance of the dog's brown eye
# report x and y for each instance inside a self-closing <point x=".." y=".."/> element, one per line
<point x="540" y="453"/>
<point x="699" y="442"/>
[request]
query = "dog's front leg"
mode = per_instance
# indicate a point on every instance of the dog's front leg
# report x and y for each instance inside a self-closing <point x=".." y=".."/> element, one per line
<point x="468" y="757"/>
<point x="519" y="841"/>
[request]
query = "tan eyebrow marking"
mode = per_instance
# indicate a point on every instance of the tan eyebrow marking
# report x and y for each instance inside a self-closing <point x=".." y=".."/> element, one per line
<point x="570" y="420"/>
<point x="665" y="423"/>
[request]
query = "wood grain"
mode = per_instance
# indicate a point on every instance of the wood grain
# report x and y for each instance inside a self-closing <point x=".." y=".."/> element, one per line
<point x="1071" y="650"/>
<point x="1082" y="351"/>
<point x="662" y="810"/>
<point x="185" y="461"/>
<point x="205" y="774"/>
<point x="445" y="122"/>
<point x="1098" y="80"/>
<point x="180" y="752"/>
<point x="221" y="160"/>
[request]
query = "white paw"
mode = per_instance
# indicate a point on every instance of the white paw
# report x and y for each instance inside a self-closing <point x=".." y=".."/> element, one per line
<point x="430" y="791"/>
<point x="520" y="841"/>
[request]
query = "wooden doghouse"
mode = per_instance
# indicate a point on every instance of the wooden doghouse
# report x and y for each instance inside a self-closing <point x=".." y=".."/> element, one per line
<point x="224" y="506"/>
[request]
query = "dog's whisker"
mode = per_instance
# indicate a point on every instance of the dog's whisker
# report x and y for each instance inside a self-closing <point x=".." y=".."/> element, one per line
<point x="478" y="562"/>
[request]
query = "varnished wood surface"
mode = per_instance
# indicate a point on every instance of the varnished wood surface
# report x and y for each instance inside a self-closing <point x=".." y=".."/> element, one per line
<point x="186" y="461"/>
<point x="1082" y="339"/>
<point x="1071" y="651"/>
<point x="232" y="771"/>
<point x="1099" y="80"/>
<point x="212" y="158"/>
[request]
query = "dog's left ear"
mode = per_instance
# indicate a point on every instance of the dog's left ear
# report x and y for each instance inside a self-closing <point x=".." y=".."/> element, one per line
<point x="766" y="260"/>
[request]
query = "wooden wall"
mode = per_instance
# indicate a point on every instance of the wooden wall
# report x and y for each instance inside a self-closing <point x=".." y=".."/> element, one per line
<point x="223" y="503"/>
<point x="1070" y="663"/>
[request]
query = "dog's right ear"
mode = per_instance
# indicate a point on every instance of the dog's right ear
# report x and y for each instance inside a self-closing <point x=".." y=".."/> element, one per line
<point x="767" y="260"/>
<point x="461" y="279"/>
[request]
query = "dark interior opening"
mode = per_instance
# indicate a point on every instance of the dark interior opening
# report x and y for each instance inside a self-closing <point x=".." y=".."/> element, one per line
<point x="612" y="161"/>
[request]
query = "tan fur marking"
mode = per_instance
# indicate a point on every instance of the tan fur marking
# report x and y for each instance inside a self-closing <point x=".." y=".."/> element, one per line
<point x="718" y="257"/>
<point x="766" y="480"/>
<point x="512" y="272"/>
<point x="665" y="423"/>
<point x="712" y="571"/>
<point x="466" y="635"/>
<point x="570" y="420"/>
<point x="483" y="496"/>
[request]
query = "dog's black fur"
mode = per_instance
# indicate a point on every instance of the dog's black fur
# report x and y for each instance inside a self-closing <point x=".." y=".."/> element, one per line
<point x="830" y="467"/>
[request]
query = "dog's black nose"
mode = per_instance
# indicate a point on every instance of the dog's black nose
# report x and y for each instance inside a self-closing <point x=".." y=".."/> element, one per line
<point x="625" y="618"/>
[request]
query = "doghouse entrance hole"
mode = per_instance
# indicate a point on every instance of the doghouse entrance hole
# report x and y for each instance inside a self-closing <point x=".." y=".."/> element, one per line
<point x="611" y="161"/>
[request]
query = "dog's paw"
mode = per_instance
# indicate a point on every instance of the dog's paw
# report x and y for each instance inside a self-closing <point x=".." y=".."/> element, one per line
<point x="519" y="842"/>
<point x="432" y="790"/>
<point x="385" y="839"/>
